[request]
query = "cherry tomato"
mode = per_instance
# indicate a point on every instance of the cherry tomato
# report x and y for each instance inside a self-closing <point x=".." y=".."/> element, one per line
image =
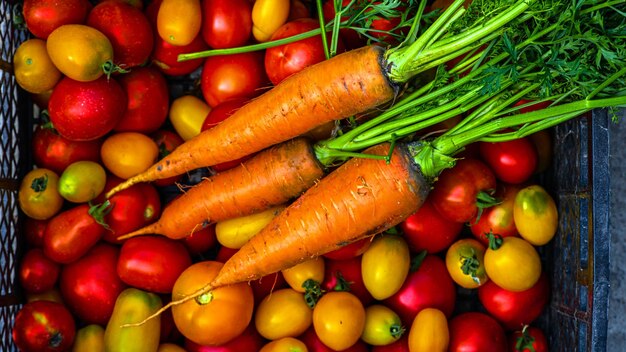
<point x="43" y="326"/>
<point x="351" y="250"/>
<point x="285" y="344"/>
<point x="267" y="17"/>
<point x="465" y="263"/>
<point x="385" y="265"/>
<point x="346" y="275"/>
<point x="314" y="344"/>
<point x="187" y="113"/>
<point x="428" y="230"/>
<point x="513" y="264"/>
<point x="126" y="154"/>
<point x="536" y="215"/>
<point x="528" y="339"/>
<point x="38" y="273"/>
<point x="401" y="345"/>
<point x="55" y="152"/>
<point x="382" y="326"/>
<point x="179" y="21"/>
<point x="429" y="331"/>
<point x="497" y="219"/>
<point x="200" y="241"/>
<point x="297" y="276"/>
<point x="44" y="16"/>
<point x="38" y="195"/>
<point x="339" y="319"/>
<point x="226" y="23"/>
<point x="512" y="161"/>
<point x="215" y="317"/>
<point x="165" y="56"/>
<point x="33" y="68"/>
<point x="82" y="181"/>
<point x="248" y="340"/>
<point x="283" y="313"/>
<point x="474" y="331"/>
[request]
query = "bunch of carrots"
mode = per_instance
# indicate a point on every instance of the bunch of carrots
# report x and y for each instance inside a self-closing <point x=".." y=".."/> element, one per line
<point x="513" y="50"/>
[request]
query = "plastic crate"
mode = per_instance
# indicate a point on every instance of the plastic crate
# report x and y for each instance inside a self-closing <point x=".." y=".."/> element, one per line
<point x="577" y="259"/>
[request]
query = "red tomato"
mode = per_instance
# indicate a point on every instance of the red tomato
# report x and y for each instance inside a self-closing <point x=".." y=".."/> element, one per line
<point x="227" y="77"/>
<point x="249" y="340"/>
<point x="38" y="273"/>
<point x="314" y="344"/>
<point x="127" y="28"/>
<point x="224" y="253"/>
<point x="226" y="23"/>
<point x="497" y="219"/>
<point x="85" y="111"/>
<point x="512" y="161"/>
<point x="34" y="230"/>
<point x="200" y="241"/>
<point x="381" y="24"/>
<point x="165" y="56"/>
<point x="474" y="331"/>
<point x="44" y="16"/>
<point x="148" y="100"/>
<point x="515" y="309"/>
<point x="351" y="250"/>
<point x="528" y="339"/>
<point x="457" y="189"/>
<point x="90" y="285"/>
<point x="266" y="285"/>
<point x="55" y="152"/>
<point x="428" y="230"/>
<point x="297" y="9"/>
<point x="429" y="286"/>
<point x="346" y="275"/>
<point x="402" y="345"/>
<point x="167" y="141"/>
<point x="43" y="326"/>
<point x="152" y="263"/>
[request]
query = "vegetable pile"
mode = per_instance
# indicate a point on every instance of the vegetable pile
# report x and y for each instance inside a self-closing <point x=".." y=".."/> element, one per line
<point x="299" y="176"/>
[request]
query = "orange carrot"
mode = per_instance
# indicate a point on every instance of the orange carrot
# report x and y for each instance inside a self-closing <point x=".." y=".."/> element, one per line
<point x="272" y="177"/>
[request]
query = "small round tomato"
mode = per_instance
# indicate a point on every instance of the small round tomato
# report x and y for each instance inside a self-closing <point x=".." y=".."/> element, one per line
<point x="346" y="275"/>
<point x="536" y="215"/>
<point x="298" y="275"/>
<point x="512" y="263"/>
<point x="43" y="326"/>
<point x="382" y="326"/>
<point x="33" y="68"/>
<point x="126" y="154"/>
<point x="474" y="331"/>
<point x="165" y="56"/>
<point x="428" y="230"/>
<point x="284" y="344"/>
<point x="314" y="344"/>
<point x="226" y="23"/>
<point x="80" y="52"/>
<point x="385" y="265"/>
<point x="465" y="263"/>
<point x="512" y="161"/>
<point x="528" y="339"/>
<point x="44" y="16"/>
<point x="82" y="181"/>
<point x="429" y="331"/>
<point x="282" y="313"/>
<point x="187" y="113"/>
<point x="200" y="241"/>
<point x="55" y="152"/>
<point x="38" y="273"/>
<point x="339" y="319"/>
<point x="39" y="196"/>
<point x="214" y="317"/>
<point x="497" y="219"/>
<point x="267" y="17"/>
<point x="179" y="21"/>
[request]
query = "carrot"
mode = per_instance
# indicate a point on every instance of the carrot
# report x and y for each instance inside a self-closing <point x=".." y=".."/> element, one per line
<point x="272" y="177"/>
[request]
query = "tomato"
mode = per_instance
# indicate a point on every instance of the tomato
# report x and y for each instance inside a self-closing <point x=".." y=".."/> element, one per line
<point x="226" y="23"/>
<point x="382" y="325"/>
<point x="427" y="286"/>
<point x="126" y="154"/>
<point x="282" y="313"/>
<point x="314" y="344"/>
<point x="474" y="331"/>
<point x="201" y="240"/>
<point x="401" y="345"/>
<point x="148" y="100"/>
<point x="82" y="181"/>
<point x="43" y="326"/>
<point x="536" y="215"/>
<point x="84" y="111"/>
<point x="80" y="52"/>
<point x="89" y="338"/>
<point x="127" y="28"/>
<point x="346" y="275"/>
<point x="515" y="309"/>
<point x="53" y="295"/>
<point x="232" y="76"/>
<point x="152" y="263"/>
<point x="234" y="233"/>
<point x="44" y="16"/>
<point x="497" y="219"/>
<point x="33" y="231"/>
<point x="267" y="17"/>
<point x="38" y="273"/>
<point x="351" y="250"/>
<point x="385" y="28"/>
<point x="90" y="285"/>
<point x="339" y="319"/>
<point x="298" y="275"/>
<point x="165" y="56"/>
<point x="513" y="264"/>
<point x="298" y="9"/>
<point x="285" y="344"/>
<point x="512" y="161"/>
<point x="528" y="339"/>
<point x="465" y="263"/>
<point x="216" y="316"/>
<point x="458" y="189"/>
<point x="55" y="152"/>
<point x="179" y="21"/>
<point x="428" y="230"/>
<point x="429" y="331"/>
<point x="385" y="265"/>
<point x="38" y="195"/>
<point x="248" y="340"/>
<point x="167" y="141"/>
<point x="187" y="113"/>
<point x="33" y="68"/>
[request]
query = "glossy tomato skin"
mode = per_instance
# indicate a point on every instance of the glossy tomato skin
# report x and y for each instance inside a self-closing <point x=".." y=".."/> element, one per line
<point x="91" y="285"/>
<point x="179" y="21"/>
<point x="314" y="344"/>
<point x="44" y="16"/>
<point x="148" y="100"/>
<point x="532" y="339"/>
<point x="385" y="265"/>
<point x="200" y="241"/>
<point x="152" y="263"/>
<point x="401" y="345"/>
<point x="474" y="331"/>
<point x="38" y="195"/>
<point x="232" y="76"/>
<point x="497" y="219"/>
<point x="165" y="56"/>
<point x="248" y="340"/>
<point x="38" y="273"/>
<point x="126" y="154"/>
<point x="512" y="161"/>
<point x="282" y="313"/>
<point x="55" y="152"/>
<point x="346" y="274"/>
<point x="226" y="23"/>
<point x="33" y="68"/>
<point x="127" y="28"/>
<point x="44" y="326"/>
<point x="339" y="319"/>
<point x="84" y="111"/>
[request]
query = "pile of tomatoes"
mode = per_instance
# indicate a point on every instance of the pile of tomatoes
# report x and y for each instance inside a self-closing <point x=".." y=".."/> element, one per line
<point x="108" y="77"/>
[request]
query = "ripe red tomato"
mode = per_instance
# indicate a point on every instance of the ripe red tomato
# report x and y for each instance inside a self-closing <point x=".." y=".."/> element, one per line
<point x="127" y="28"/>
<point x="232" y="76"/>
<point x="34" y="230"/>
<point x="249" y="340"/>
<point x="44" y="16"/>
<point x="55" y="152"/>
<point x="474" y="331"/>
<point x="226" y="23"/>
<point x="512" y="161"/>
<point x="497" y="219"/>
<point x="346" y="275"/>
<point x="85" y="111"/>
<point x="401" y="345"/>
<point x="314" y="344"/>
<point x="528" y="339"/>
<point x="165" y="56"/>
<point x="351" y="250"/>
<point x="44" y="326"/>
<point x="200" y="241"/>
<point x="38" y="273"/>
<point x="90" y="285"/>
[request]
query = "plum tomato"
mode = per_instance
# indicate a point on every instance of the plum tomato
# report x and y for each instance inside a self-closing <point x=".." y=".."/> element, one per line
<point x="167" y="141"/>
<point x="429" y="331"/>
<point x="536" y="215"/>
<point x="497" y="219"/>
<point x="385" y="265"/>
<point x="267" y="17"/>
<point x="38" y="194"/>
<point x="33" y="231"/>
<point x="37" y="272"/>
<point x="465" y="263"/>
<point x="382" y="327"/>
<point x="44" y="16"/>
<point x="126" y="154"/>
<point x="512" y="263"/>
<point x="298" y="275"/>
<point x="165" y="56"/>
<point x="475" y="331"/>
<point x="282" y="313"/>
<point x="511" y="161"/>
<point x="43" y="326"/>
<point x="288" y="343"/>
<point x="179" y="21"/>
<point x="346" y="275"/>
<point x="33" y="68"/>
<point x="226" y="23"/>
<point x="187" y="113"/>
<point x="200" y="241"/>
<point x="248" y="340"/>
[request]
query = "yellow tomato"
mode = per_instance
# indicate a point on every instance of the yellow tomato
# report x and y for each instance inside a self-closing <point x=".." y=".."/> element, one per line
<point x="89" y="338"/>
<point x="282" y="313"/>
<point x="39" y="196"/>
<point x="34" y="71"/>
<point x="79" y="51"/>
<point x="465" y="263"/>
<point x="126" y="154"/>
<point x="312" y="269"/>
<point x="285" y="344"/>
<point x="170" y="347"/>
<point x="82" y="181"/>
<point x="535" y="215"/>
<point x="429" y="331"/>
<point x="514" y="266"/>
<point x="267" y="17"/>
<point x="234" y="233"/>
<point x="187" y="113"/>
<point x="339" y="319"/>
<point x="385" y="265"/>
<point x="382" y="326"/>
<point x="179" y="21"/>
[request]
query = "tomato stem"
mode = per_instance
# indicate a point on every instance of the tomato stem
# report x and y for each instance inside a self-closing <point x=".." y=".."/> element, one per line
<point x="99" y="211"/>
<point x="110" y="68"/>
<point x="312" y="292"/>
<point x="204" y="298"/>
<point x="417" y="260"/>
<point x="525" y="342"/>
<point x="396" y="330"/>
<point x="342" y="283"/>
<point x="40" y="184"/>
<point x="495" y="240"/>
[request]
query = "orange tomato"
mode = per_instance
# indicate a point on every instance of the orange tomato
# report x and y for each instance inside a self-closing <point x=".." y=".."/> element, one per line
<point x="33" y="68"/>
<point x="126" y="154"/>
<point x="187" y="113"/>
<point x="39" y="196"/>
<point x="282" y="313"/>
<point x="429" y="331"/>
<point x="179" y="21"/>
<point x="285" y="344"/>
<point x="465" y="263"/>
<point x="312" y="269"/>
<point x="339" y="319"/>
